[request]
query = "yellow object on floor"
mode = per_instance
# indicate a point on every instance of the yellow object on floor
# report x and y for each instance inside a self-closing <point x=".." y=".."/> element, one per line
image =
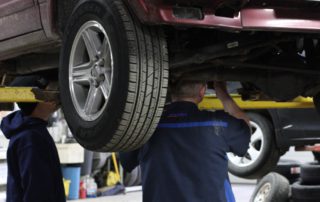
<point x="66" y="184"/>
<point x="112" y="178"/>
<point x="115" y="163"/>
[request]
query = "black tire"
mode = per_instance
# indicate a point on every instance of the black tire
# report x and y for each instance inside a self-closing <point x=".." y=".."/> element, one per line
<point x="139" y="81"/>
<point x="316" y="156"/>
<point x="131" y="178"/>
<point x="268" y="157"/>
<point x="310" y="173"/>
<point x="305" y="193"/>
<point x="271" y="188"/>
<point x="289" y="169"/>
<point x="316" y="102"/>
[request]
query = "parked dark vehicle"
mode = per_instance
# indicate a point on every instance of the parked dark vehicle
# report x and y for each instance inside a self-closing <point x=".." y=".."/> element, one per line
<point x="276" y="126"/>
<point x="114" y="56"/>
<point x="274" y="131"/>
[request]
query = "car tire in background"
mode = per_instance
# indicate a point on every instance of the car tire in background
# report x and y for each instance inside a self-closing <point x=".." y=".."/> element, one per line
<point x="316" y="102"/>
<point x="262" y="155"/>
<point x="271" y="188"/>
<point x="290" y="169"/>
<point x="316" y="156"/>
<point x="310" y="173"/>
<point x="113" y="76"/>
<point x="305" y="193"/>
<point x="133" y="178"/>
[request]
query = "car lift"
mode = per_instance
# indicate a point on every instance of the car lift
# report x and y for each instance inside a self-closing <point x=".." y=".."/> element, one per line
<point x="210" y="102"/>
<point x="26" y="94"/>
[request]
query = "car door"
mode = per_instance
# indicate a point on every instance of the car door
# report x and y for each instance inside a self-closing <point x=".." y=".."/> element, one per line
<point x="296" y="126"/>
<point x="18" y="17"/>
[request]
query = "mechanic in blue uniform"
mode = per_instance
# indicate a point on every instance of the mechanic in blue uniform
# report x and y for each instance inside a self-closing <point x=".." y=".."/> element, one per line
<point x="185" y="160"/>
<point x="34" y="172"/>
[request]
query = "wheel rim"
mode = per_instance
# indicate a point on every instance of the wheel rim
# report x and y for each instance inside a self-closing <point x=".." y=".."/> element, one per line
<point x="263" y="193"/>
<point x="90" y="71"/>
<point x="256" y="147"/>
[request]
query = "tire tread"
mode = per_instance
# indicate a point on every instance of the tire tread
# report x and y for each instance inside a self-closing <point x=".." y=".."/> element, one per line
<point x="147" y="85"/>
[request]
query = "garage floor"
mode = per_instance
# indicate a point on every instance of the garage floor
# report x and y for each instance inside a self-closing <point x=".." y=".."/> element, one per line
<point x="242" y="188"/>
<point x="242" y="193"/>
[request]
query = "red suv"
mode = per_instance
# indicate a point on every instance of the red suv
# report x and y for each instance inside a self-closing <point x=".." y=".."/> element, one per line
<point x="114" y="56"/>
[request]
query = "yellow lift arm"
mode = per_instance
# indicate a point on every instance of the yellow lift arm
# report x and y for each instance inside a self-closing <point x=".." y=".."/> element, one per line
<point x="211" y="102"/>
<point x="26" y="94"/>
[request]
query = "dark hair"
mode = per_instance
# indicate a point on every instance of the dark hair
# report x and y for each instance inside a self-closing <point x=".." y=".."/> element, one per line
<point x="29" y="81"/>
<point x="185" y="88"/>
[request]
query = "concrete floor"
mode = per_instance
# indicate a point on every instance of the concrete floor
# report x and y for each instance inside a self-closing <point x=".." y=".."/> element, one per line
<point x="242" y="193"/>
<point x="242" y="188"/>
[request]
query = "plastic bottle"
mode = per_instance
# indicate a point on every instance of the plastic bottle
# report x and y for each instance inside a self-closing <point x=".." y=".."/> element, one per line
<point x="91" y="188"/>
<point x="83" y="190"/>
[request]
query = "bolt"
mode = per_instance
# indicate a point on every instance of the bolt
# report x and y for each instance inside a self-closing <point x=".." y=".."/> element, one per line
<point x="95" y="83"/>
<point x="102" y="78"/>
<point x="101" y="62"/>
<point x="94" y="72"/>
<point x="96" y="57"/>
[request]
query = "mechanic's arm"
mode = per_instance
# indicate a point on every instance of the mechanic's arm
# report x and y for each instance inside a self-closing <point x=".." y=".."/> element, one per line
<point x="129" y="160"/>
<point x="228" y="103"/>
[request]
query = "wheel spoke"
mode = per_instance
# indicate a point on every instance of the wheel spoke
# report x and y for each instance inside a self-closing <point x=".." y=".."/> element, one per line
<point x="253" y="153"/>
<point x="104" y="50"/>
<point x="105" y="90"/>
<point x="256" y="136"/>
<point x="93" y="101"/>
<point x="81" y="73"/>
<point x="234" y="159"/>
<point x="92" y="43"/>
<point x="105" y="54"/>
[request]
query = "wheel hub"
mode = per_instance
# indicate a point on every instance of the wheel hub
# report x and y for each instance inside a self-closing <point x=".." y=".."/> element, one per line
<point x="263" y="193"/>
<point x="90" y="70"/>
<point x="256" y="147"/>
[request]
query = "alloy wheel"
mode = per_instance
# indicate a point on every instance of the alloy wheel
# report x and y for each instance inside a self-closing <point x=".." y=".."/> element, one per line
<point x="90" y="71"/>
<point x="256" y="146"/>
<point x="263" y="193"/>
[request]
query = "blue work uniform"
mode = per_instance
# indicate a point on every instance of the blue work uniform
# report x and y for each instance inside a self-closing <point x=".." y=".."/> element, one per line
<point x="185" y="160"/>
<point x="34" y="173"/>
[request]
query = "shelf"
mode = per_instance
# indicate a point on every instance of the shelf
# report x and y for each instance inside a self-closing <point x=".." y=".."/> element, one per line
<point x="3" y="173"/>
<point x="70" y="153"/>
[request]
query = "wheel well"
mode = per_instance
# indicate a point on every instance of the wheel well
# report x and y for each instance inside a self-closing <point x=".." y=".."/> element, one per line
<point x="63" y="12"/>
<point x="266" y="113"/>
<point x="263" y="112"/>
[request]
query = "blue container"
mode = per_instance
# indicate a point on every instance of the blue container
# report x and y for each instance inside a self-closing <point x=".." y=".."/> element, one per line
<point x="72" y="173"/>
